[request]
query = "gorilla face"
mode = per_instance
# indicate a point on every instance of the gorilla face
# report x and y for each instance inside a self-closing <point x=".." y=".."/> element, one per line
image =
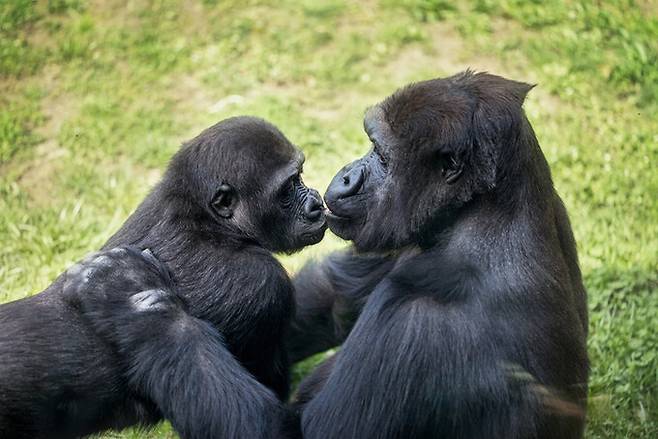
<point x="243" y="178"/>
<point x="435" y="145"/>
<point x="296" y="216"/>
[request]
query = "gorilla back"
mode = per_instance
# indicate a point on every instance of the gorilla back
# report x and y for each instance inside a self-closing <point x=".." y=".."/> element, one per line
<point x="478" y="329"/>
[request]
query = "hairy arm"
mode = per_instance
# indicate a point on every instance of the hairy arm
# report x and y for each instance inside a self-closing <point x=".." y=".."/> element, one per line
<point x="393" y="376"/>
<point x="178" y="361"/>
<point x="329" y="296"/>
<point x="442" y="355"/>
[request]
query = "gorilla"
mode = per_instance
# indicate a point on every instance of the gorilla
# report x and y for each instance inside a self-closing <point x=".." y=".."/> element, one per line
<point x="460" y="303"/>
<point x="190" y="330"/>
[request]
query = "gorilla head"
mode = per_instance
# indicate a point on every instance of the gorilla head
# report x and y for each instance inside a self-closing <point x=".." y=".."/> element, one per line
<point x="436" y="145"/>
<point x="242" y="178"/>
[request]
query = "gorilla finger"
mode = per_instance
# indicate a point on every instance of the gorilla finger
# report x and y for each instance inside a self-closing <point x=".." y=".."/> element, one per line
<point x="134" y="255"/>
<point x="101" y="260"/>
<point x="119" y="251"/>
<point x="77" y="268"/>
<point x="162" y="269"/>
<point x="89" y="257"/>
<point x="151" y="300"/>
<point x="78" y="278"/>
<point x="74" y="270"/>
<point x="148" y="255"/>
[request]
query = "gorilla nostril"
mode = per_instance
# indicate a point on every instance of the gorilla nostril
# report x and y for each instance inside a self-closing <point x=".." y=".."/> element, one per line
<point x="347" y="182"/>
<point x="313" y="208"/>
<point x="314" y="215"/>
<point x="352" y="182"/>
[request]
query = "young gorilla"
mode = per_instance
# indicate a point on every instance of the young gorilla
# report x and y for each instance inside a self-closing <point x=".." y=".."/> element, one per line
<point x="109" y="344"/>
<point x="473" y="318"/>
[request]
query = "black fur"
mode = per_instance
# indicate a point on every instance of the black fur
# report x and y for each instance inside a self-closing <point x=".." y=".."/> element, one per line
<point x="329" y="298"/>
<point x="180" y="361"/>
<point x="81" y="358"/>
<point x="478" y="329"/>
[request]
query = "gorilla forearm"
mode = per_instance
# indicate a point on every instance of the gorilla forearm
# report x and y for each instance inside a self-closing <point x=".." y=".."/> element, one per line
<point x="329" y="296"/>
<point x="313" y="383"/>
<point x="188" y="372"/>
<point x="48" y="369"/>
<point x="313" y="329"/>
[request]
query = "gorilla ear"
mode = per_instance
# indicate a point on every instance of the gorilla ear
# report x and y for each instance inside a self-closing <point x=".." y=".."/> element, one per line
<point x="517" y="90"/>
<point x="497" y="116"/>
<point x="495" y="88"/>
<point x="223" y="203"/>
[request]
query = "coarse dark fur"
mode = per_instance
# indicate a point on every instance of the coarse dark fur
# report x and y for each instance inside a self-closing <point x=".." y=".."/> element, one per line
<point x="472" y="323"/>
<point x="91" y="353"/>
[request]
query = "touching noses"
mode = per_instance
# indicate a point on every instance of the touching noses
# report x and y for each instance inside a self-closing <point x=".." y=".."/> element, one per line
<point x="346" y="183"/>
<point x="313" y="206"/>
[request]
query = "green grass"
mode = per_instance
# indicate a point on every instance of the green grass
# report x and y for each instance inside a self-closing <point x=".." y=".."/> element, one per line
<point x="96" y="96"/>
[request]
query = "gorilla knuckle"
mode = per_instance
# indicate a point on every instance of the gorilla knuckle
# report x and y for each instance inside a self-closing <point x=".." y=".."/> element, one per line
<point x="151" y="300"/>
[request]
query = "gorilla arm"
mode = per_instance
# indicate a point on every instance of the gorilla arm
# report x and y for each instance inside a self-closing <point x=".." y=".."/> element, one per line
<point x="395" y="369"/>
<point x="412" y="366"/>
<point x="176" y="360"/>
<point x="329" y="296"/>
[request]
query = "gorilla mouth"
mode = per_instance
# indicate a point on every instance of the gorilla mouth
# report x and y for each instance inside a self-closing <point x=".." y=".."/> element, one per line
<point x="334" y="216"/>
<point x="345" y="216"/>
<point x="320" y="226"/>
<point x="341" y="225"/>
<point x="316" y="234"/>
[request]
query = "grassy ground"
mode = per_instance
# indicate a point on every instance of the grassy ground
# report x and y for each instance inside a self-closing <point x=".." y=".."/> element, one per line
<point x="96" y="96"/>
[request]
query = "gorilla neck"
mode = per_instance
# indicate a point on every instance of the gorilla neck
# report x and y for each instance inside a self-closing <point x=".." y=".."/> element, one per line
<point x="518" y="214"/>
<point x="517" y="230"/>
<point x="200" y="259"/>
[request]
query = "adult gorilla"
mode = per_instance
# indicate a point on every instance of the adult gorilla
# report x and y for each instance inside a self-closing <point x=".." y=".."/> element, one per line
<point x="473" y="320"/>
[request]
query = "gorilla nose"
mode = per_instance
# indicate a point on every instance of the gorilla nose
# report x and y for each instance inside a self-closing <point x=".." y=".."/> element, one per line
<point x="346" y="183"/>
<point x="313" y="207"/>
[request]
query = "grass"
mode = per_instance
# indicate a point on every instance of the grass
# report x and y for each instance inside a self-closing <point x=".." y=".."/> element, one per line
<point x="96" y="96"/>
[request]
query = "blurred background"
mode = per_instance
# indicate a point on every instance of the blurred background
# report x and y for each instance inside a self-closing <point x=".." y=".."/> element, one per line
<point x="96" y="96"/>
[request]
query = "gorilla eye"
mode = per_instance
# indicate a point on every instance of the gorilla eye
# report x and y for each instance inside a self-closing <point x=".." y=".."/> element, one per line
<point x="382" y="159"/>
<point x="451" y="168"/>
<point x="288" y="190"/>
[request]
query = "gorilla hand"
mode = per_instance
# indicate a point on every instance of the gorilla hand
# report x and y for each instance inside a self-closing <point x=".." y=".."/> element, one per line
<point x="110" y="287"/>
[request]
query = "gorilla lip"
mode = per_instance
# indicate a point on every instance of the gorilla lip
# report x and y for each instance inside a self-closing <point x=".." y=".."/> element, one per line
<point x="337" y="224"/>
<point x="333" y="216"/>
<point x="318" y="233"/>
